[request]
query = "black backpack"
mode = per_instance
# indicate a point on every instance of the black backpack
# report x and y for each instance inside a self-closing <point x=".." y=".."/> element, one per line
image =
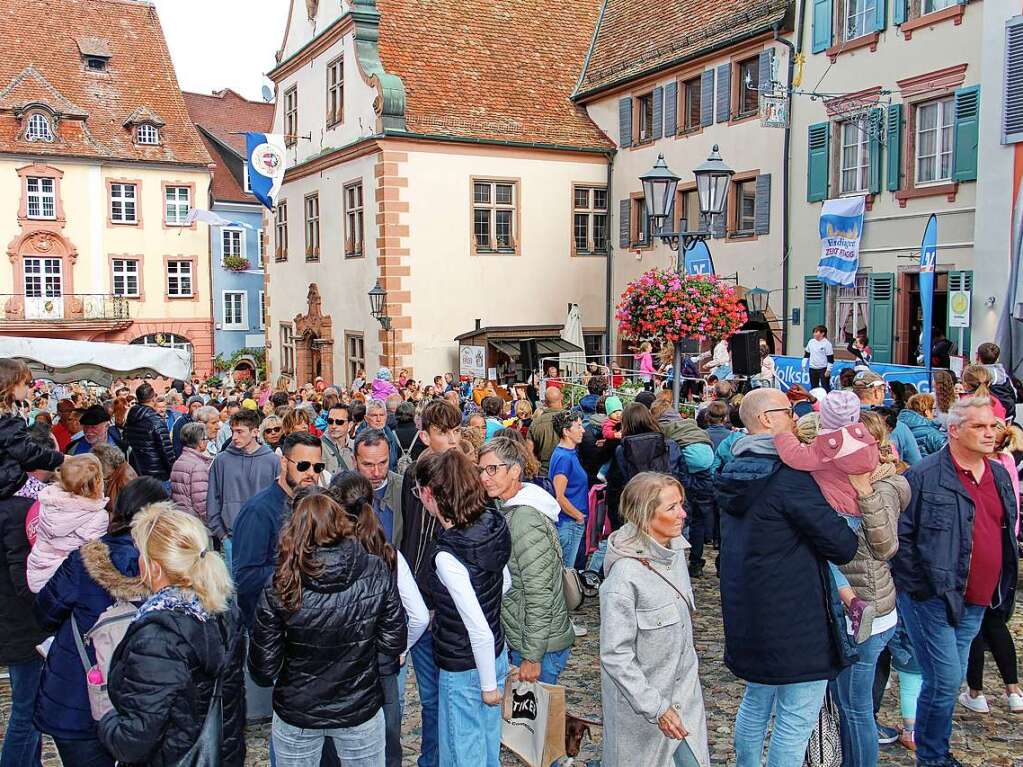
<point x="645" y="452"/>
<point x="1006" y="394"/>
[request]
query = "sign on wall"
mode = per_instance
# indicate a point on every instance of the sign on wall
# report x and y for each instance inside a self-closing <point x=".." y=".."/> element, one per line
<point x="472" y="361"/>
<point x="959" y="309"/>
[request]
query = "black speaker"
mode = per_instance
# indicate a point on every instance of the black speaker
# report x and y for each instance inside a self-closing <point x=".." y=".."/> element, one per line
<point x="690" y="345"/>
<point x="745" y="346"/>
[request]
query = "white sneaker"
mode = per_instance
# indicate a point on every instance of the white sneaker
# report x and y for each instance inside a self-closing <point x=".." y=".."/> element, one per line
<point x="1015" y="702"/>
<point x="579" y="629"/>
<point x="978" y="705"/>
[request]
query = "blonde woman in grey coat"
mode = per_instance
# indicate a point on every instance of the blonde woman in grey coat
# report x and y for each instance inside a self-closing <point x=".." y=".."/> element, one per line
<point x="650" y="685"/>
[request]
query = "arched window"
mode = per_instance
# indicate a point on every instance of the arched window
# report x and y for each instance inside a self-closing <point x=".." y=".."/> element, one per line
<point x="39" y="128"/>
<point x="148" y="134"/>
<point x="164" y="340"/>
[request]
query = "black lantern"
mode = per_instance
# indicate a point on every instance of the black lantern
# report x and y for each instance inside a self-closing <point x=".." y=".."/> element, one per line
<point x="377" y="301"/>
<point x="712" y="177"/>
<point x="757" y="300"/>
<point x="659" y="185"/>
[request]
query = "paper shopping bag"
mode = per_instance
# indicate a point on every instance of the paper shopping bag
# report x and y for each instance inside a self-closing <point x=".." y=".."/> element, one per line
<point x="534" y="721"/>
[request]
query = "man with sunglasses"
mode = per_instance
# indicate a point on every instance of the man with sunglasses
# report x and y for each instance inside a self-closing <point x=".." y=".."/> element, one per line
<point x="872" y="389"/>
<point x="337" y="455"/>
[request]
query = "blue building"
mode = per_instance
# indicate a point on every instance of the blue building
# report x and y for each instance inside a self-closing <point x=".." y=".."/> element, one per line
<point x="238" y="287"/>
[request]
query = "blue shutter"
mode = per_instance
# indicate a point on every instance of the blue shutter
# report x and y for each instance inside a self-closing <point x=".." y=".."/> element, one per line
<point x="625" y="121"/>
<point x="818" y="162"/>
<point x="657" y="130"/>
<point x="625" y="223"/>
<point x="766" y="59"/>
<point x="762" y="211"/>
<point x="881" y="309"/>
<point x="874" y="120"/>
<point x="1012" y="105"/>
<point x="724" y="97"/>
<point x="899" y="11"/>
<point x="707" y="98"/>
<point x="823" y="13"/>
<point x="671" y="109"/>
<point x="967" y="134"/>
<point x="814" y="312"/>
<point x="894" y="145"/>
<point x="880" y="16"/>
<point x="959" y="281"/>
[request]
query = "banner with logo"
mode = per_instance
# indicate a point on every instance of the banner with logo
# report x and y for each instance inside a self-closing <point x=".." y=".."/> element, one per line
<point x="928" y="259"/>
<point x="841" y="227"/>
<point x="697" y="259"/>
<point x="790" y="371"/>
<point x="265" y="152"/>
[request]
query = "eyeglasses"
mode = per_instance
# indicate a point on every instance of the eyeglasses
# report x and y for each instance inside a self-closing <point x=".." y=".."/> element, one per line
<point x="780" y="410"/>
<point x="272" y="429"/>
<point x="336" y="421"/>
<point x="491" y="470"/>
<point x="306" y="465"/>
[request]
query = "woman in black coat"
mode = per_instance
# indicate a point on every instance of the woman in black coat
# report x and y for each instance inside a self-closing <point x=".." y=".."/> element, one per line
<point x="320" y="625"/>
<point x="182" y="649"/>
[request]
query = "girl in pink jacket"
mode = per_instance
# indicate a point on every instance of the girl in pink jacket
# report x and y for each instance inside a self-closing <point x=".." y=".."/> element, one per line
<point x="71" y="512"/>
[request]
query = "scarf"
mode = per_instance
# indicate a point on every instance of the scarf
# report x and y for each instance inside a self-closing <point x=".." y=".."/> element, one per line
<point x="173" y="598"/>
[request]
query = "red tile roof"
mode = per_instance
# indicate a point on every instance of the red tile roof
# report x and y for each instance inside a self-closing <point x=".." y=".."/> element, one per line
<point x="41" y="62"/>
<point x="222" y="116"/>
<point x="492" y="70"/>
<point x="637" y="37"/>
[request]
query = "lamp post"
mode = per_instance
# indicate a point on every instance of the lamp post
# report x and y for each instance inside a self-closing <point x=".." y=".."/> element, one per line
<point x="659" y="187"/>
<point x="378" y="309"/>
<point x="757" y="301"/>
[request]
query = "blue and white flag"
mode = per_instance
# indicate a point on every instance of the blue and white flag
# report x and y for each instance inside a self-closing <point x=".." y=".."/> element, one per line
<point x="841" y="228"/>
<point x="265" y="152"/>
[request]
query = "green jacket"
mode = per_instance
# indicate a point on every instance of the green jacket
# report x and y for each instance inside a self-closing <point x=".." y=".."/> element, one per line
<point x="533" y="613"/>
<point x="545" y="439"/>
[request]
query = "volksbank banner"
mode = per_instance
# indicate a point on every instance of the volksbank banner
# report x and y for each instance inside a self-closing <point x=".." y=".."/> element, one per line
<point x="790" y="371"/>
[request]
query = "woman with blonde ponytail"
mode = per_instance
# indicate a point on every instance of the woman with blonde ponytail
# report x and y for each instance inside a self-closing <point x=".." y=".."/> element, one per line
<point x="977" y="381"/>
<point x="181" y="651"/>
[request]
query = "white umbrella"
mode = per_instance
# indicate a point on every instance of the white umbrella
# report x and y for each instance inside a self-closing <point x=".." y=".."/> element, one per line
<point x="572" y="364"/>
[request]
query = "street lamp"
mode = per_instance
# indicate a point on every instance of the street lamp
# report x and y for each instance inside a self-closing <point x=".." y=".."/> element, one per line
<point x="378" y="309"/>
<point x="659" y="185"/>
<point x="757" y="300"/>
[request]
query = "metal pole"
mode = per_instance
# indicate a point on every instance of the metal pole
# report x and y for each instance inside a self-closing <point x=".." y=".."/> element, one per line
<point x="676" y="379"/>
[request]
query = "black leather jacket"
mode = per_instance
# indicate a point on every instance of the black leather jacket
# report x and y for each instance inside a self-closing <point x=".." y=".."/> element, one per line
<point x="152" y="453"/>
<point x="324" y="656"/>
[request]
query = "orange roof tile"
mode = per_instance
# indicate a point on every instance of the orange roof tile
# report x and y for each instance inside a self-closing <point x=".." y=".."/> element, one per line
<point x="41" y="62"/>
<point x="636" y="37"/>
<point x="488" y="70"/>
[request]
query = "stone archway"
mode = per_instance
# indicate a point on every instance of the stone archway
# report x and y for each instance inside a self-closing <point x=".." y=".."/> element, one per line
<point x="314" y="342"/>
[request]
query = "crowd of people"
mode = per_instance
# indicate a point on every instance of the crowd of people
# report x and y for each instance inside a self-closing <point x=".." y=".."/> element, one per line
<point x="230" y="553"/>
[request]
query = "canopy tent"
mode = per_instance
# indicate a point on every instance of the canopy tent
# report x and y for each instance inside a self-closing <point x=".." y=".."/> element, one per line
<point x="63" y="361"/>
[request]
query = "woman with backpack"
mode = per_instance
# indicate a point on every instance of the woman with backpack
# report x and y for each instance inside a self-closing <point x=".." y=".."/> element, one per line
<point x="87" y="583"/>
<point x="177" y="672"/>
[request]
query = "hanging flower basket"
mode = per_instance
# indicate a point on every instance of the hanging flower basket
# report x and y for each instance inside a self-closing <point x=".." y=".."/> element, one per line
<point x="237" y="263"/>
<point x="664" y="305"/>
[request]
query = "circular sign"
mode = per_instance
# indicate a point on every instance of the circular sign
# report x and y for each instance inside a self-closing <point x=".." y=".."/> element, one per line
<point x="266" y="159"/>
<point x="960" y="303"/>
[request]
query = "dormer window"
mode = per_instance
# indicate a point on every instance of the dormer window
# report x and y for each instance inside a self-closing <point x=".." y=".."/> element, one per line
<point x="95" y="64"/>
<point x="147" y="134"/>
<point x="39" y="128"/>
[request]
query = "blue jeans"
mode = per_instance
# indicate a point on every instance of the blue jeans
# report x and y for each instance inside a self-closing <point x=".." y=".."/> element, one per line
<point x="359" y="746"/>
<point x="570" y="535"/>
<point x="83" y="753"/>
<point x="427" y="681"/>
<point x="797" y="708"/>
<point x="22" y="741"/>
<point x="469" y="729"/>
<point x="392" y="719"/>
<point x="227" y="554"/>
<point x="551" y="665"/>
<point x="855" y="687"/>
<point x="942" y="651"/>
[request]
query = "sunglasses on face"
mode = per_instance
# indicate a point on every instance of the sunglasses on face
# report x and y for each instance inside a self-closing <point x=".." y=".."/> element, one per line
<point x="272" y="429"/>
<point x="336" y="421"/>
<point x="304" y="466"/>
<point x="491" y="470"/>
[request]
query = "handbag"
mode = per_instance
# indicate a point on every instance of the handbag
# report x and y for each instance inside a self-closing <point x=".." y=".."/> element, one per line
<point x="825" y="746"/>
<point x="205" y="752"/>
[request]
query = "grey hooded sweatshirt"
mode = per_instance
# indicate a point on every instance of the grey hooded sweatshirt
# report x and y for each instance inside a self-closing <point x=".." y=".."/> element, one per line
<point x="236" y="476"/>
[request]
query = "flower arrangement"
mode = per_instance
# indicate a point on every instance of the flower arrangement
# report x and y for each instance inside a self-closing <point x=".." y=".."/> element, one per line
<point x="663" y="304"/>
<point x="237" y="263"/>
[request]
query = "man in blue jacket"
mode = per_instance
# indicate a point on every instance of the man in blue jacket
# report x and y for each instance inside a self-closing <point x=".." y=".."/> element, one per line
<point x="782" y="630"/>
<point x="957" y="557"/>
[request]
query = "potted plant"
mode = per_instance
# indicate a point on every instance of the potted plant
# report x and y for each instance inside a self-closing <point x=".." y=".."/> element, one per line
<point x="236" y="263"/>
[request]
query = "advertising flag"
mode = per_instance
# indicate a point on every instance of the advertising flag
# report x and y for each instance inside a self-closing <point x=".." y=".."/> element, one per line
<point x="928" y="258"/>
<point x="841" y="228"/>
<point x="265" y="152"/>
<point x="698" y="260"/>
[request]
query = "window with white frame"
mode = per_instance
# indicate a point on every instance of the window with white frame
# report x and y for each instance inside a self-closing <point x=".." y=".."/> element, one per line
<point x="855" y="157"/>
<point x="353" y="220"/>
<point x="291" y="115"/>
<point x="850" y="309"/>
<point x="232" y="242"/>
<point x="179" y="279"/>
<point x="281" y="231"/>
<point x="126" y="277"/>
<point x="335" y="91"/>
<point x="260" y="248"/>
<point x="39" y="128"/>
<point x="935" y="125"/>
<point x="312" y="227"/>
<point x="859" y="17"/>
<point x="165" y="341"/>
<point x="494" y="208"/>
<point x="235" y="310"/>
<point x="147" y="134"/>
<point x="245" y="179"/>
<point x="42" y="198"/>
<point x="176" y="204"/>
<point x="287" y="337"/>
<point x="123" y="204"/>
<point x="355" y="354"/>
<point x="745" y="207"/>
<point x="930" y="6"/>
<point x="589" y="219"/>
<point x="262" y="310"/>
<point x="43" y="277"/>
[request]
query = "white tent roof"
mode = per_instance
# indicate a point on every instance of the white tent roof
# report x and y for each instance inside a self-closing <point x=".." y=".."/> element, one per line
<point x="63" y="361"/>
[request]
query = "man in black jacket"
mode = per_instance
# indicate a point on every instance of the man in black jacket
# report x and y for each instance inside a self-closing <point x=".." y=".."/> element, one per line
<point x="150" y="450"/>
<point x="782" y="630"/>
<point x="957" y="557"/>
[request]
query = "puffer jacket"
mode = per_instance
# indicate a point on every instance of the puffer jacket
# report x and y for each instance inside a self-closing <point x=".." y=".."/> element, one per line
<point x="19" y="455"/>
<point x="162" y="677"/>
<point x="324" y="656"/>
<point x="151" y="452"/>
<point x="65" y="522"/>
<point x="84" y="586"/>
<point x="19" y="633"/>
<point x="929" y="438"/>
<point x="533" y="612"/>
<point x="868" y="573"/>
<point x="190" y="481"/>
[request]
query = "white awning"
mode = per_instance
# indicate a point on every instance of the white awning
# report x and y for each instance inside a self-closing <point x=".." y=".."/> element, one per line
<point x="61" y="361"/>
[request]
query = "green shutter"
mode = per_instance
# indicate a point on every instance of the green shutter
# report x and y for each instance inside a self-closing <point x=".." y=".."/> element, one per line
<point x="823" y="12"/>
<point x="899" y="11"/>
<point x="818" y="161"/>
<point x="959" y="281"/>
<point x="874" y="121"/>
<point x="880" y="16"/>
<point x="881" y="290"/>
<point x="894" y="144"/>
<point x="967" y="134"/>
<point x="814" y="311"/>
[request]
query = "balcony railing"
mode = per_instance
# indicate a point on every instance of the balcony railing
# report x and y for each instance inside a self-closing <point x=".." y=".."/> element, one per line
<point x="70" y="307"/>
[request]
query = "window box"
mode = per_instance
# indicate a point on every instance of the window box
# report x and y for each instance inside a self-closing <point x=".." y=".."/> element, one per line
<point x="236" y="263"/>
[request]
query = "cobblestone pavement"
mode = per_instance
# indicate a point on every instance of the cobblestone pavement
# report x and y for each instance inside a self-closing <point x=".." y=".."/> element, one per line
<point x="994" y="740"/>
